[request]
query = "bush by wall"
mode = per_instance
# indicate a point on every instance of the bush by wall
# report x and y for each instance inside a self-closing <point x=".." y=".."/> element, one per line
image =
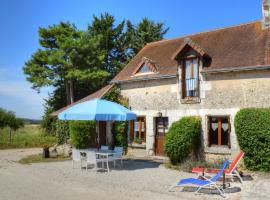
<point x="120" y="128"/>
<point x="120" y="131"/>
<point x="82" y="132"/>
<point x="62" y="131"/>
<point x="252" y="128"/>
<point x="182" y="138"/>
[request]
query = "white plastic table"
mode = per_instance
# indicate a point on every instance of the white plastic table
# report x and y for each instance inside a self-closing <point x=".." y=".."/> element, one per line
<point x="105" y="155"/>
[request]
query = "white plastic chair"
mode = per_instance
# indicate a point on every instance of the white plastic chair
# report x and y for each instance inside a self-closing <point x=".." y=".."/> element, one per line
<point x="75" y="156"/>
<point x="90" y="158"/>
<point x="118" y="154"/>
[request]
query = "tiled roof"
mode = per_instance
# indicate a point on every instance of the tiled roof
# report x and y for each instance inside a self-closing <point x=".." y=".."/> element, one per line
<point x="233" y="47"/>
<point x="98" y="94"/>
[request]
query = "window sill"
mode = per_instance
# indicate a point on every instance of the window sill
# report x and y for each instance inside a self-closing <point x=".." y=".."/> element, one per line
<point x="223" y="150"/>
<point x="190" y="100"/>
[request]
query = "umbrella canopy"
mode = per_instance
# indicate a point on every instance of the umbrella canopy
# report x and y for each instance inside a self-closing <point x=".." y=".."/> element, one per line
<point x="99" y="110"/>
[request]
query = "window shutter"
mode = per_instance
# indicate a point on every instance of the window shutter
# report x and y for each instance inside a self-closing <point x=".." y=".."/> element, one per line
<point x="229" y="133"/>
<point x="208" y="131"/>
<point x="183" y="74"/>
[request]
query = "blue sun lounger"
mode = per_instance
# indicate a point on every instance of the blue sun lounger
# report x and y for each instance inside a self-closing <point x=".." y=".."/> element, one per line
<point x="203" y="183"/>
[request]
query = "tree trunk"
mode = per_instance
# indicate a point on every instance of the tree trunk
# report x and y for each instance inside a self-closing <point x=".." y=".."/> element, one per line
<point x="69" y="92"/>
<point x="71" y="89"/>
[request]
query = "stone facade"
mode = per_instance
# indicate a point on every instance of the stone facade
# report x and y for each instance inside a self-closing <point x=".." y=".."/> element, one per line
<point x="221" y="94"/>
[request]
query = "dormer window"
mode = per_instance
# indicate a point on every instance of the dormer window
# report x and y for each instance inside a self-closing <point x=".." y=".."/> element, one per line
<point x="190" y="78"/>
<point x="146" y="67"/>
<point x="190" y="56"/>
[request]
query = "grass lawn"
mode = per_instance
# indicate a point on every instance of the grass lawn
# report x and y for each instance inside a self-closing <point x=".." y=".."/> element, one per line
<point x="27" y="137"/>
<point x="38" y="159"/>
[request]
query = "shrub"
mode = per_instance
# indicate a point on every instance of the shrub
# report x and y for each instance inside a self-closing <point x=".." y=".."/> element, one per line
<point x="82" y="132"/>
<point x="48" y="123"/>
<point x="62" y="131"/>
<point x="252" y="128"/>
<point x="182" y="138"/>
<point x="120" y="130"/>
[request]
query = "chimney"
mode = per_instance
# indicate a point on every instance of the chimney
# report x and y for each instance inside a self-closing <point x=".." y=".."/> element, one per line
<point x="266" y="14"/>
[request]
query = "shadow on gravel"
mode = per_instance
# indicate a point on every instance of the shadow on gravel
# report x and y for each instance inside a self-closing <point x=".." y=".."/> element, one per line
<point x="212" y="191"/>
<point x="135" y="164"/>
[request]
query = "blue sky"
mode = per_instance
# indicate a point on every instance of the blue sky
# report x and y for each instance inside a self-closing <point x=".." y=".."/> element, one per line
<point x="20" y="20"/>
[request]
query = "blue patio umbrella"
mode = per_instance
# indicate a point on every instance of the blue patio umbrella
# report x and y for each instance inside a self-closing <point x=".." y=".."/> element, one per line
<point x="99" y="110"/>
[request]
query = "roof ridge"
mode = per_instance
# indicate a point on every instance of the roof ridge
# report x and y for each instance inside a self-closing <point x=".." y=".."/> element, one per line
<point x="202" y="32"/>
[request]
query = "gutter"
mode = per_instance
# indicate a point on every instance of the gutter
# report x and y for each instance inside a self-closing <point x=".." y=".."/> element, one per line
<point x="146" y="78"/>
<point x="235" y="69"/>
<point x="203" y="72"/>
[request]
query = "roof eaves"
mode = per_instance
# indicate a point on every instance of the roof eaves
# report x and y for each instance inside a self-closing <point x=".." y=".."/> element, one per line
<point x="235" y="69"/>
<point x="146" y="78"/>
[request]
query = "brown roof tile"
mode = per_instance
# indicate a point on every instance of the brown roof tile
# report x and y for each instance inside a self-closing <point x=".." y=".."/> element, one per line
<point x="98" y="94"/>
<point x="233" y="47"/>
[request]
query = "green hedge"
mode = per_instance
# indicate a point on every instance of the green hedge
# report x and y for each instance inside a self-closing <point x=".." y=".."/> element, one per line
<point x="82" y="132"/>
<point x="182" y="138"/>
<point x="62" y="131"/>
<point x="120" y="131"/>
<point x="252" y="128"/>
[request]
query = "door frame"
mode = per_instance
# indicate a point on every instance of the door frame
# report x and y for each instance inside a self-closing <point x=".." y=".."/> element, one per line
<point x="156" y="129"/>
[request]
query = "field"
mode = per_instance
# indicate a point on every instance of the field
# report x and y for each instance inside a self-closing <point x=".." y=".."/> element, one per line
<point x="27" y="137"/>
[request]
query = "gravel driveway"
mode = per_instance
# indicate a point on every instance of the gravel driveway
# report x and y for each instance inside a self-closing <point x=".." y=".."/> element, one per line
<point x="138" y="180"/>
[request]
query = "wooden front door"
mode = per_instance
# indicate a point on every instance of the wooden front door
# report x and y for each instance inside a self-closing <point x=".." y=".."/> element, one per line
<point x="161" y="130"/>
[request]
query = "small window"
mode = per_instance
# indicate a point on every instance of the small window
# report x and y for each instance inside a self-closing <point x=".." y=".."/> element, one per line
<point x="190" y="78"/>
<point x="219" y="131"/>
<point x="162" y="125"/>
<point x="144" y="69"/>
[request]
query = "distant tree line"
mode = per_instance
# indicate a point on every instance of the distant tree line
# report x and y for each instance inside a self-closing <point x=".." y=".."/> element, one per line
<point x="78" y="62"/>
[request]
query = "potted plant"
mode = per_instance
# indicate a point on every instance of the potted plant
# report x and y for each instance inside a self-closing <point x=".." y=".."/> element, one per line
<point x="46" y="152"/>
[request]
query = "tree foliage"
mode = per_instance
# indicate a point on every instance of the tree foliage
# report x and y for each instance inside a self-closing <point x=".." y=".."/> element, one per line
<point x="76" y="63"/>
<point x="67" y="56"/>
<point x="8" y="119"/>
<point x="145" y="32"/>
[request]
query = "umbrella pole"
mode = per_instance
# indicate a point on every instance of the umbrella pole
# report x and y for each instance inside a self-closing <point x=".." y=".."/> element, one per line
<point x="98" y="138"/>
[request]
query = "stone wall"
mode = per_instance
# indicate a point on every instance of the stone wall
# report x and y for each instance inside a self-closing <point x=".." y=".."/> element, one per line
<point x="220" y="94"/>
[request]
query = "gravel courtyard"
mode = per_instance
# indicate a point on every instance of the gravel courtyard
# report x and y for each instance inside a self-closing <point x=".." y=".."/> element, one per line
<point x="138" y="180"/>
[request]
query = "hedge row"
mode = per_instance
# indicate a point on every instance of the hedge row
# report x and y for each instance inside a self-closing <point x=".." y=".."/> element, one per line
<point x="182" y="138"/>
<point x="82" y="132"/>
<point x="252" y="128"/>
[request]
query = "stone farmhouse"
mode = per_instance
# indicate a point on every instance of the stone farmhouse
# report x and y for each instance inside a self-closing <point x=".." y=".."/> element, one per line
<point x="211" y="74"/>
